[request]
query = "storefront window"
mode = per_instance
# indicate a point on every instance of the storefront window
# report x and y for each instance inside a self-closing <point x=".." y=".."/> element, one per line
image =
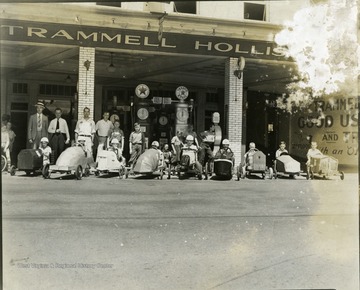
<point x="20" y="88"/>
<point x="185" y="7"/>
<point x="254" y="11"/>
<point x="113" y="4"/>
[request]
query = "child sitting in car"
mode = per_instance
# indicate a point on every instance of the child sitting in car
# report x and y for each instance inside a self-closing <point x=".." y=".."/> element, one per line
<point x="190" y="150"/>
<point x="312" y="152"/>
<point x="225" y="152"/>
<point x="115" y="147"/>
<point x="45" y="150"/>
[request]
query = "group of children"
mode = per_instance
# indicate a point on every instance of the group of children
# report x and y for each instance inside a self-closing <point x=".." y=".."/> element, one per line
<point x="312" y="152"/>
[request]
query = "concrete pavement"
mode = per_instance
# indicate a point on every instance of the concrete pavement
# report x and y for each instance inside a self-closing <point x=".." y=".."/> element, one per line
<point x="106" y="233"/>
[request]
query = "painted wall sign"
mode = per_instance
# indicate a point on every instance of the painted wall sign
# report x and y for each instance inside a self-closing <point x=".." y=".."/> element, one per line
<point x="91" y="36"/>
<point x="333" y="124"/>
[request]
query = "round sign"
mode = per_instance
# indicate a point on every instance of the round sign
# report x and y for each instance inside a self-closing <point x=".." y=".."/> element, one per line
<point x="142" y="91"/>
<point x="143" y="113"/>
<point x="163" y="120"/>
<point x="182" y="114"/>
<point x="182" y="93"/>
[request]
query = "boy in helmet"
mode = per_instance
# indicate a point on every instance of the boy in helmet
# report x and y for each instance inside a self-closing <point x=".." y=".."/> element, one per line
<point x="155" y="145"/>
<point x="225" y="152"/>
<point x="45" y="150"/>
<point x="191" y="150"/>
<point x="248" y="157"/>
<point x="115" y="147"/>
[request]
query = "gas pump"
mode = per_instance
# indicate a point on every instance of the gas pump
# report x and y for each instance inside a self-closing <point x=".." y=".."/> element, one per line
<point x="163" y="127"/>
<point x="142" y="91"/>
<point x="217" y="131"/>
<point x="114" y="114"/>
<point x="181" y="110"/>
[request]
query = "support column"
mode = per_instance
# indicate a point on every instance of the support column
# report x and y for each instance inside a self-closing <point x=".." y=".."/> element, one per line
<point x="200" y="112"/>
<point x="234" y="108"/>
<point x="86" y="80"/>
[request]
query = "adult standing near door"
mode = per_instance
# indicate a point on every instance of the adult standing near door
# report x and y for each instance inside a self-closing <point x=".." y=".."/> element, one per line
<point x="59" y="134"/>
<point x="103" y="128"/>
<point x="38" y="126"/>
<point x="85" y="128"/>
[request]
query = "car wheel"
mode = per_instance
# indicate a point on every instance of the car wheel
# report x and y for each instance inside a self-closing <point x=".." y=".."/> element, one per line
<point x="46" y="172"/>
<point x="3" y="163"/>
<point x="78" y="172"/>
<point x="342" y="175"/>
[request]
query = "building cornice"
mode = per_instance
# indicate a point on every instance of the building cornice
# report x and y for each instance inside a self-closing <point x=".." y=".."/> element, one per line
<point x="103" y="16"/>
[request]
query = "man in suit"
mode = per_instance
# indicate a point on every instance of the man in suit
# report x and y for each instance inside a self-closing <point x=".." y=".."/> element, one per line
<point x="38" y="126"/>
<point x="59" y="132"/>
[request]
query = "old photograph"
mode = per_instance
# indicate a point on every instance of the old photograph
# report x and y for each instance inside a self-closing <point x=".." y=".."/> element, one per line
<point x="180" y="145"/>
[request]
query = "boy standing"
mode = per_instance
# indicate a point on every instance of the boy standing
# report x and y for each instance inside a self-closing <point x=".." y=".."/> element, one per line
<point x="136" y="144"/>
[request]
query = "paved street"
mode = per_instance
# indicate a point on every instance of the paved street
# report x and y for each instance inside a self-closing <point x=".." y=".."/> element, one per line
<point x="107" y="233"/>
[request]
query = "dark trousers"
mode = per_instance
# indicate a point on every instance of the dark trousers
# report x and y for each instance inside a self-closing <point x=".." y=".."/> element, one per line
<point x="205" y="154"/>
<point x="136" y="152"/>
<point x="57" y="144"/>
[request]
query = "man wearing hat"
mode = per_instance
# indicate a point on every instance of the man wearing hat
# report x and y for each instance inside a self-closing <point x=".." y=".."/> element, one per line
<point x="38" y="126"/>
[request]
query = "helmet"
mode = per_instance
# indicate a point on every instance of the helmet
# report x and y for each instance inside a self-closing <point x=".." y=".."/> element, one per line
<point x="44" y="139"/>
<point x="189" y="138"/>
<point x="155" y="143"/>
<point x="226" y="142"/>
<point x="114" y="141"/>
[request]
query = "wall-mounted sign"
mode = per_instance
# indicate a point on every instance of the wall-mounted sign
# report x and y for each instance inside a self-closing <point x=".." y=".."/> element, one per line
<point x="182" y="93"/>
<point x="333" y="124"/>
<point x="142" y="91"/>
<point x="92" y="36"/>
<point x="157" y="100"/>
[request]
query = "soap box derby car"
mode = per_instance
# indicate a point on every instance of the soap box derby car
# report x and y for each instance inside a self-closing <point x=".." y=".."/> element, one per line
<point x="186" y="168"/>
<point x="223" y="168"/>
<point x="286" y="165"/>
<point x="324" y="166"/>
<point x="107" y="162"/>
<point x="28" y="160"/>
<point x="255" y="163"/>
<point x="150" y="163"/>
<point x="74" y="160"/>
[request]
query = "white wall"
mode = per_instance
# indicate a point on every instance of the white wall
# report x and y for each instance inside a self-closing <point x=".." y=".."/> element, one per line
<point x="277" y="11"/>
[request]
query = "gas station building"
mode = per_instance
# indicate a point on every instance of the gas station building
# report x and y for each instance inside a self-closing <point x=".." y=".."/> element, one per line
<point x="163" y="64"/>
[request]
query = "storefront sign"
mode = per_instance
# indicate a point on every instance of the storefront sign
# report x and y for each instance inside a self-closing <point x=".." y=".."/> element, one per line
<point x="90" y="36"/>
<point x="333" y="124"/>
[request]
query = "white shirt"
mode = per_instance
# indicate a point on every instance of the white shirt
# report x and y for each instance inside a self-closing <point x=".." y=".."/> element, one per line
<point x="103" y="127"/>
<point x="63" y="127"/>
<point x="85" y="127"/>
